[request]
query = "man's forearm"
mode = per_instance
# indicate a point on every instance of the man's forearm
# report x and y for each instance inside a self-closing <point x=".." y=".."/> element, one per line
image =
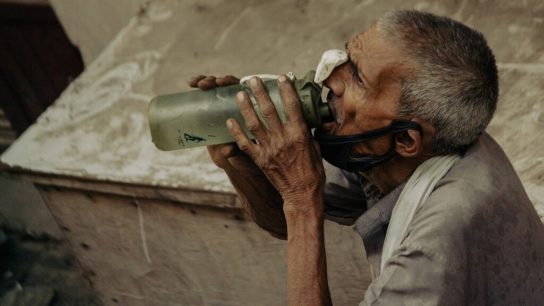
<point x="259" y="198"/>
<point x="306" y="260"/>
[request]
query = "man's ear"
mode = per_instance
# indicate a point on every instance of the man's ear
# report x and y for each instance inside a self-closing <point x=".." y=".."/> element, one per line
<point x="409" y="143"/>
<point x="413" y="143"/>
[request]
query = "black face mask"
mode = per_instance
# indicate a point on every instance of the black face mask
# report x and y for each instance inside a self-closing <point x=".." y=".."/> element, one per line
<point x="337" y="149"/>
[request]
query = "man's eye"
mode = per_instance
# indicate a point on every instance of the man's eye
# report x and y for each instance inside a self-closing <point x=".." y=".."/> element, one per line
<point x="357" y="77"/>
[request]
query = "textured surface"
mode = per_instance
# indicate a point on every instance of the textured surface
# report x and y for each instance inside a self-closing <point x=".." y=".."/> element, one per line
<point x="91" y="25"/>
<point x="142" y="252"/>
<point x="22" y="209"/>
<point x="98" y="127"/>
<point x="39" y="271"/>
<point x="37" y="62"/>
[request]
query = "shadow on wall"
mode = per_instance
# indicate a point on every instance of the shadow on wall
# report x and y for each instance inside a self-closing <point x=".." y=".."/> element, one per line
<point x="37" y="62"/>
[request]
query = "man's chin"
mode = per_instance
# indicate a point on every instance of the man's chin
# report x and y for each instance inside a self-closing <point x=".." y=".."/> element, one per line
<point x="372" y="176"/>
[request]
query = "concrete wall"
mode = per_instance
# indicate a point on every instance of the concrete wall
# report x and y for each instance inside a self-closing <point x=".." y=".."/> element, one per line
<point x="151" y="252"/>
<point x="91" y="25"/>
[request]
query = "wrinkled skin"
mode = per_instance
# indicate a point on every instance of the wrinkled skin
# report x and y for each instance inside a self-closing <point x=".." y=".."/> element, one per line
<point x="366" y="94"/>
<point x="259" y="198"/>
<point x="285" y="152"/>
<point x="279" y="148"/>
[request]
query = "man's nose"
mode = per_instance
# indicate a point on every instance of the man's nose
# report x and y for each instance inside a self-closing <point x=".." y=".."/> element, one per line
<point x="335" y="81"/>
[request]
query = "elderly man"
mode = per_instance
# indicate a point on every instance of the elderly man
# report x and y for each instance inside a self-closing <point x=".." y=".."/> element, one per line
<point x="443" y="215"/>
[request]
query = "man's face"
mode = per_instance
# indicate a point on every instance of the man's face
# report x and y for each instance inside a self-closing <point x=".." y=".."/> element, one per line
<point x="365" y="91"/>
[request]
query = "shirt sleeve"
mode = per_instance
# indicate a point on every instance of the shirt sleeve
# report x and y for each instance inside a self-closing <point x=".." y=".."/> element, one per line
<point x="345" y="198"/>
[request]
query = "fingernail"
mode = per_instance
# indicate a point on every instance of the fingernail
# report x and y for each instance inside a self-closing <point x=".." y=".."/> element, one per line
<point x="253" y="82"/>
<point x="240" y="96"/>
<point x="282" y="78"/>
<point x="229" y="123"/>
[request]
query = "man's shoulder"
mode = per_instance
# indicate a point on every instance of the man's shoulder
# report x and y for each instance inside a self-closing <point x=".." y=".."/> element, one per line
<point x="480" y="189"/>
<point x="483" y="177"/>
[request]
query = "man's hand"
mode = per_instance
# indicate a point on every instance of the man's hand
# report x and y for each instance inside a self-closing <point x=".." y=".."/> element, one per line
<point x="260" y="199"/>
<point x="286" y="152"/>
<point x="220" y="153"/>
<point x="208" y="82"/>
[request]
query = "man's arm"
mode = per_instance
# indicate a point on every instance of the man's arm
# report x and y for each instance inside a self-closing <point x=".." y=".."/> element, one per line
<point x="259" y="198"/>
<point x="289" y="157"/>
<point x="306" y="261"/>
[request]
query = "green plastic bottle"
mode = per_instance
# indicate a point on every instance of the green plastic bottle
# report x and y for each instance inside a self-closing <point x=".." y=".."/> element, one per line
<point x="197" y="118"/>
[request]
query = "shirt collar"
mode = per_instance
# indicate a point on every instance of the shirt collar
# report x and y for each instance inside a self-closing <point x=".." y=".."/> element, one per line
<point x="377" y="216"/>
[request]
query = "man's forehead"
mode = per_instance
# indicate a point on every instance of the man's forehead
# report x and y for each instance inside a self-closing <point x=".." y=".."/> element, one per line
<point x="356" y="41"/>
<point x="355" y="50"/>
<point x="372" y="54"/>
<point x="357" y="44"/>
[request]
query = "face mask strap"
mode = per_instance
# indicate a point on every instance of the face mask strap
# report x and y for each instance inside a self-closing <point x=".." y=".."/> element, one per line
<point x="343" y="144"/>
<point x="363" y="162"/>
<point x="395" y="127"/>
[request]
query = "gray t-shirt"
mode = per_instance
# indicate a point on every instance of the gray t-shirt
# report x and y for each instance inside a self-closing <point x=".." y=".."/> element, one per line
<point x="477" y="239"/>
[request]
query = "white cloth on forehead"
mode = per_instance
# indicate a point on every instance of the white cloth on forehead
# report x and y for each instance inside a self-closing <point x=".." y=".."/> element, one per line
<point x="329" y="60"/>
<point x="417" y="190"/>
<point x="265" y="76"/>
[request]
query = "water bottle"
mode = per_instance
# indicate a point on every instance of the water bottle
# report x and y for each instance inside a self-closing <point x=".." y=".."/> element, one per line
<point x="197" y="117"/>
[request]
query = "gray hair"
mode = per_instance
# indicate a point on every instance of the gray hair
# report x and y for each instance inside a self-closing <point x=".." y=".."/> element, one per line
<point x="454" y="83"/>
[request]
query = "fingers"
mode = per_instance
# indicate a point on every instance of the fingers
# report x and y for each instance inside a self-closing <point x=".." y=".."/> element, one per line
<point x="203" y="82"/>
<point x="208" y="82"/>
<point x="241" y="139"/>
<point x="229" y="150"/>
<point x="227" y="80"/>
<point x="194" y="81"/>
<point x="266" y="106"/>
<point x="252" y="122"/>
<point x="291" y="102"/>
<point x="223" y="151"/>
